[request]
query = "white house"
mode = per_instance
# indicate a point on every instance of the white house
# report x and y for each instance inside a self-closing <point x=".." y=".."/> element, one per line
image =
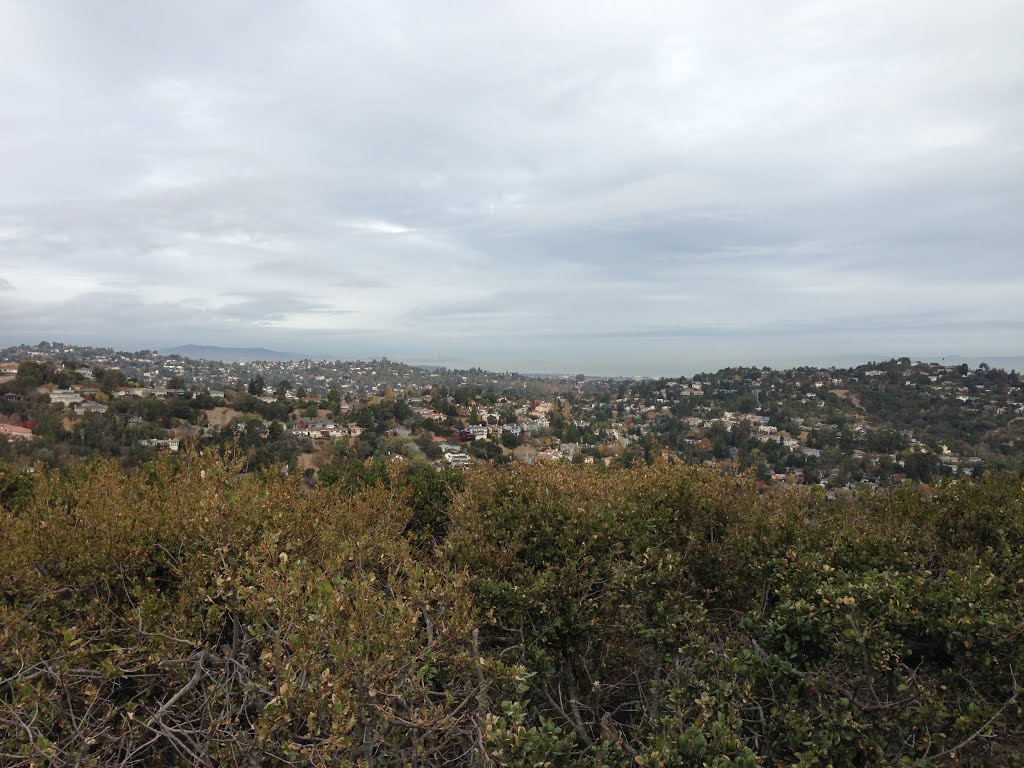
<point x="65" y="396"/>
<point x="89" y="407"/>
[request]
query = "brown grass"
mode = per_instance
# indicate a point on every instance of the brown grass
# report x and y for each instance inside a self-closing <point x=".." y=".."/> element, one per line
<point x="221" y="417"/>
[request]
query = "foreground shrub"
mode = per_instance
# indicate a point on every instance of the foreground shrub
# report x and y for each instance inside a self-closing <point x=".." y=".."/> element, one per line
<point x="185" y="614"/>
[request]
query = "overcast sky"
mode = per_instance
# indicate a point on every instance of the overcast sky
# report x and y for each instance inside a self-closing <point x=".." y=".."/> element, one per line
<point x="613" y="187"/>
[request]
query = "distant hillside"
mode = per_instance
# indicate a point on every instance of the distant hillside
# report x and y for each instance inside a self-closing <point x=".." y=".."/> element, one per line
<point x="231" y="354"/>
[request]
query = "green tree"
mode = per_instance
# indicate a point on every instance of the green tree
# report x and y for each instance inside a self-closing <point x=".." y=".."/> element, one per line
<point x="31" y="372"/>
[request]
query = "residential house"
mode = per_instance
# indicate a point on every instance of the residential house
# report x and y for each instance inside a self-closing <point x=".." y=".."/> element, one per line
<point x="65" y="396"/>
<point x="90" y="407"/>
<point x="457" y="459"/>
<point x="10" y="432"/>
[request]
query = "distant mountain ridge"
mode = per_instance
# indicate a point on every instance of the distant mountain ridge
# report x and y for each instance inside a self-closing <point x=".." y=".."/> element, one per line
<point x="233" y="354"/>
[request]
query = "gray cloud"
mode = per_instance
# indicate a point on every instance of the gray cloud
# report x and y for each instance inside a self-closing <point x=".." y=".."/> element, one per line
<point x="642" y="189"/>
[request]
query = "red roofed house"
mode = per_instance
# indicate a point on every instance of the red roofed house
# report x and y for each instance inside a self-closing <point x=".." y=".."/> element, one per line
<point x="11" y="432"/>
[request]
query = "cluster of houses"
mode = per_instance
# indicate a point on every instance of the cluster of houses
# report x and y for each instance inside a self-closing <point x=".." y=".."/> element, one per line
<point x="161" y="392"/>
<point x="76" y="398"/>
<point x="78" y="394"/>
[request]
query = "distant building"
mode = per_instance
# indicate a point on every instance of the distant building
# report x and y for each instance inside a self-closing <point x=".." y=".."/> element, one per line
<point x="65" y="396"/>
<point x="10" y="432"/>
<point x="170" y="444"/>
<point x="321" y="429"/>
<point x="89" y="407"/>
<point x="458" y="459"/>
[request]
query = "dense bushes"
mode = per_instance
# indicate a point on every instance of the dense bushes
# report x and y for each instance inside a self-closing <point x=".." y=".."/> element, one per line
<point x="557" y="616"/>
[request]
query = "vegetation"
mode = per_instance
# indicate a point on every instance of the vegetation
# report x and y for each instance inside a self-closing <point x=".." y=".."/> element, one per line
<point x="185" y="614"/>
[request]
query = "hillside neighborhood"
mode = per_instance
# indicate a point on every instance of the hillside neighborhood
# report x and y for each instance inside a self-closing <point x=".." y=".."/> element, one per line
<point x="838" y="429"/>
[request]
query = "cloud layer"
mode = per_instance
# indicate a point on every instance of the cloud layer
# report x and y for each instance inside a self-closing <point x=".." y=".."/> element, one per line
<point x="643" y="189"/>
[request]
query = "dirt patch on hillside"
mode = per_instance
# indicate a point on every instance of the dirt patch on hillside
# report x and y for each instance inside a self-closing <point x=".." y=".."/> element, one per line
<point x="846" y="394"/>
<point x="321" y="456"/>
<point x="308" y="461"/>
<point x="321" y="414"/>
<point x="221" y="417"/>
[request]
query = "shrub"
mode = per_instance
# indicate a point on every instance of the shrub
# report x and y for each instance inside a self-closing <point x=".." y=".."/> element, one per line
<point x="188" y="614"/>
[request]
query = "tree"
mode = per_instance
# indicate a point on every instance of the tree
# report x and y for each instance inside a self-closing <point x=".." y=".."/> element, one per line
<point x="256" y="386"/>
<point x="921" y="466"/>
<point x="109" y="379"/>
<point x="741" y="433"/>
<point x="430" y="449"/>
<point x="31" y="372"/>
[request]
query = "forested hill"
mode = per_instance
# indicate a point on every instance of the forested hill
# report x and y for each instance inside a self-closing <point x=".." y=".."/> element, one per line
<point x="666" y="615"/>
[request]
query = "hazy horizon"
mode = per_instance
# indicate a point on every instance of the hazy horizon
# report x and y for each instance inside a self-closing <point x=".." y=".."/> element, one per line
<point x="687" y="369"/>
<point x="593" y="188"/>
